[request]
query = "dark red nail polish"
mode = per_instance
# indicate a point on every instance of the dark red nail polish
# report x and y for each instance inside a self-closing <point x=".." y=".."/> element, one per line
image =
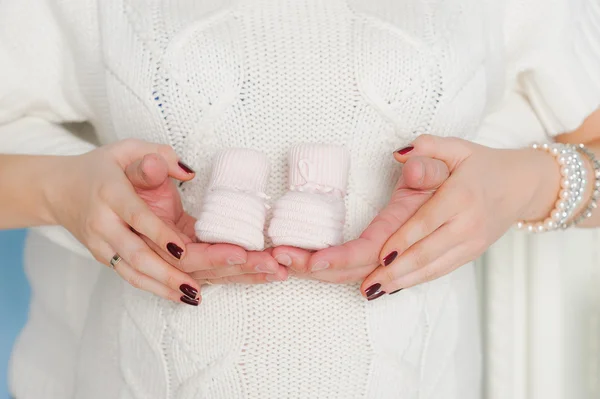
<point x="186" y="168"/>
<point x="389" y="258"/>
<point x="405" y="150"/>
<point x="392" y="293"/>
<point x="372" y="289"/>
<point x="188" y="290"/>
<point x="375" y="296"/>
<point x="175" y="250"/>
<point x="193" y="302"/>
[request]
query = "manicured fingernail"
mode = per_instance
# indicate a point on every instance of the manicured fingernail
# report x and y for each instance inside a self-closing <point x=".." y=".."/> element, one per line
<point x="188" y="290"/>
<point x="389" y="258"/>
<point x="372" y="290"/>
<point x="320" y="265"/>
<point x="375" y="296"/>
<point x="175" y="250"/>
<point x="284" y="259"/>
<point x="262" y="268"/>
<point x="392" y="293"/>
<point x="189" y="301"/>
<point x="405" y="150"/>
<point x="185" y="168"/>
<point x="236" y="260"/>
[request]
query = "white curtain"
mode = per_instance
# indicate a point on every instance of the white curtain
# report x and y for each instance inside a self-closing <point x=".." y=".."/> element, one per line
<point x="541" y="316"/>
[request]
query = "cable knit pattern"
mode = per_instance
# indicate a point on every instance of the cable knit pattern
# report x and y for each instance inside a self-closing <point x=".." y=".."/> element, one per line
<point x="266" y="75"/>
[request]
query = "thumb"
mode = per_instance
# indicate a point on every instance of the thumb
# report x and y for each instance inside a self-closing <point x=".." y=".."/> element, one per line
<point x="423" y="173"/>
<point x="451" y="150"/>
<point x="149" y="172"/>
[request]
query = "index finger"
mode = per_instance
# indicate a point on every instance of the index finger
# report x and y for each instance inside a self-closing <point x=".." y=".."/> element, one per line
<point x="135" y="212"/>
<point x="365" y="250"/>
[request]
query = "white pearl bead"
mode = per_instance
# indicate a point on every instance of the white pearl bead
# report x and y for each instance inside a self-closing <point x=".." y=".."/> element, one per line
<point x="556" y="215"/>
<point x="520" y="225"/>
<point x="564" y="194"/>
<point x="535" y="146"/>
<point x="560" y="204"/>
<point x="565" y="183"/>
<point x="539" y="228"/>
<point x="554" y="151"/>
<point x="530" y="228"/>
<point x="561" y="160"/>
<point x="549" y="224"/>
<point x="545" y="146"/>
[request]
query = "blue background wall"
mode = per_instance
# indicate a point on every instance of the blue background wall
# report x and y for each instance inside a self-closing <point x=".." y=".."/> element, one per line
<point x="14" y="297"/>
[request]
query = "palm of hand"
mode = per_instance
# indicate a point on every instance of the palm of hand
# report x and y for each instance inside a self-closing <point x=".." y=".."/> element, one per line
<point x="356" y="259"/>
<point x="164" y="201"/>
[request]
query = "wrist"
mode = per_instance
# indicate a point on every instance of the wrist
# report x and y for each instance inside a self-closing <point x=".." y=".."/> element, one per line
<point x="53" y="178"/>
<point x="542" y="175"/>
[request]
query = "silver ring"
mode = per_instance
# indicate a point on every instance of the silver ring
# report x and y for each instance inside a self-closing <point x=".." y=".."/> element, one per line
<point x="114" y="260"/>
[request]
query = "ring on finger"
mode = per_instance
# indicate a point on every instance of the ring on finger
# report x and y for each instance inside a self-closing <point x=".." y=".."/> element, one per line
<point x="115" y="260"/>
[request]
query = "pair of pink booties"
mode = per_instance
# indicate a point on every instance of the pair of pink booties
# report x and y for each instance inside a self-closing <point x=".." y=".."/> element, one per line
<point x="310" y="215"/>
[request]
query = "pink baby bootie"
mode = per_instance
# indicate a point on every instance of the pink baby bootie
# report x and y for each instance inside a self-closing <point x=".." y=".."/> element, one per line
<point x="311" y="214"/>
<point x="234" y="208"/>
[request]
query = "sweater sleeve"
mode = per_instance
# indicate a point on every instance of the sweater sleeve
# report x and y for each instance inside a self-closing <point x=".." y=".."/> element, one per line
<point x="553" y="51"/>
<point x="39" y="94"/>
<point x="38" y="84"/>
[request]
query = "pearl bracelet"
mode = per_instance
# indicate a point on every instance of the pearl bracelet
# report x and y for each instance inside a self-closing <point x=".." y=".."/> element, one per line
<point x="573" y="182"/>
<point x="593" y="203"/>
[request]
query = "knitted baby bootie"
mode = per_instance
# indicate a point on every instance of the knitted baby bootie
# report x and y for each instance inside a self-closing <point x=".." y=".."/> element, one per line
<point x="234" y="208"/>
<point x="311" y="215"/>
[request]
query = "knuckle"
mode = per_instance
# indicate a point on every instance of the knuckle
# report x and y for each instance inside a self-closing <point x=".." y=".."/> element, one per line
<point x="171" y="279"/>
<point x="186" y="267"/>
<point x="95" y="225"/>
<point x="388" y="275"/>
<point x="166" y="151"/>
<point x="424" y="141"/>
<point x="420" y="259"/>
<point x="136" y="280"/>
<point x="105" y="192"/>
<point x="429" y="274"/>
<point x="211" y="274"/>
<point x="173" y="296"/>
<point x="137" y="258"/>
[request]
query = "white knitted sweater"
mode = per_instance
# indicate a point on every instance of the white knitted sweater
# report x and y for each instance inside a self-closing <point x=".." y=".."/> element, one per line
<point x="267" y="74"/>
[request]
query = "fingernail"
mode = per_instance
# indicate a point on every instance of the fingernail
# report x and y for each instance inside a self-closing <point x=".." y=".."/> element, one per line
<point x="372" y="290"/>
<point x="405" y="150"/>
<point x="389" y="258"/>
<point x="375" y="296"/>
<point x="188" y="290"/>
<point x="236" y="260"/>
<point x="320" y="265"/>
<point x="185" y="168"/>
<point x="189" y="301"/>
<point x="175" y="250"/>
<point x="262" y="268"/>
<point x="284" y="259"/>
<point x="392" y="293"/>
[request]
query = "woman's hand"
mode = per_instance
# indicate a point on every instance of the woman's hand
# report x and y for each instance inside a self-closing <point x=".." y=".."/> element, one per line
<point x="356" y="259"/>
<point x="217" y="263"/>
<point x="91" y="197"/>
<point x="487" y="192"/>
